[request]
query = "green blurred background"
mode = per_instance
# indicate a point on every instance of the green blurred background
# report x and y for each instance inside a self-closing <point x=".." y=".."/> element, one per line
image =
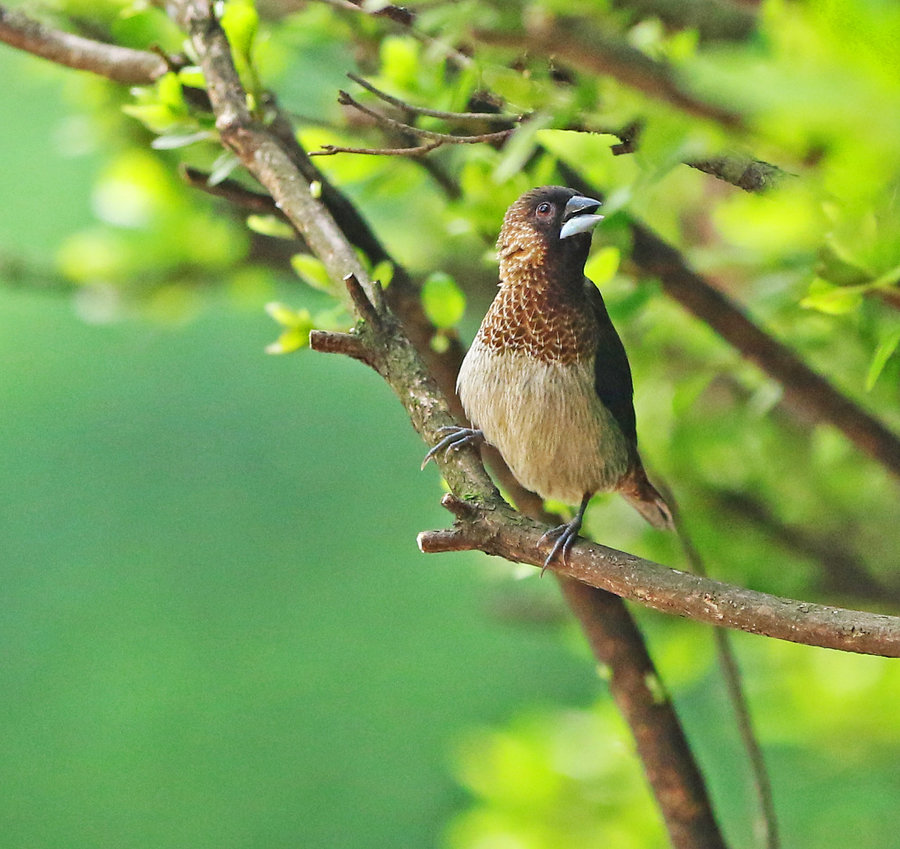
<point x="218" y="631"/>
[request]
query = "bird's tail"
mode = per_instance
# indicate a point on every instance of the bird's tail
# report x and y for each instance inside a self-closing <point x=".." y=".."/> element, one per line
<point x="646" y="499"/>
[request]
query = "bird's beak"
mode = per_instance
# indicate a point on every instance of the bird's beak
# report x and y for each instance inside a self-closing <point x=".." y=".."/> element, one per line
<point x="577" y="217"/>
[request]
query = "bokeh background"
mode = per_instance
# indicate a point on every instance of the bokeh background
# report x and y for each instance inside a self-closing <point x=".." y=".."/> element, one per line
<point x="217" y="630"/>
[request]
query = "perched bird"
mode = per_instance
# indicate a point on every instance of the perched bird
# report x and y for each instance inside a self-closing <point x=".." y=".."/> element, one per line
<point x="547" y="380"/>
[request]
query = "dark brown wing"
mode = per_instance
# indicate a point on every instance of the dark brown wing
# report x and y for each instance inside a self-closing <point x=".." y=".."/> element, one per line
<point x="612" y="374"/>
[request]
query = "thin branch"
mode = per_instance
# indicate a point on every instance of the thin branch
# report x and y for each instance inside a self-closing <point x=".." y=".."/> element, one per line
<point x="458" y="117"/>
<point x="731" y="675"/>
<point x="418" y="150"/>
<point x="398" y="14"/>
<point x="120" y="64"/>
<point x="348" y="344"/>
<point x="233" y="192"/>
<point x="500" y="531"/>
<point x="751" y="175"/>
<point x="345" y="99"/>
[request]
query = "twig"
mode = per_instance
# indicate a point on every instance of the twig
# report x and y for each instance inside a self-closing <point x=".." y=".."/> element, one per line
<point x="232" y="191"/>
<point x="459" y="117"/>
<point x="734" y="687"/>
<point x="120" y="64"/>
<point x="345" y="99"/>
<point x="751" y="175"/>
<point x="418" y="150"/>
<point x="398" y="14"/>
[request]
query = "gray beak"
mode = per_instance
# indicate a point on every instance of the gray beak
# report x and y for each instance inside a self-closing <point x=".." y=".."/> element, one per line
<point x="577" y="217"/>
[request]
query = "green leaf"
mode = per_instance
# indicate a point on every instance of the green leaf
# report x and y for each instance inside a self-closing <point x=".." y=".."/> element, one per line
<point x="157" y="117"/>
<point x="296" y="324"/>
<point x="192" y="76"/>
<point x="443" y="301"/>
<point x="224" y="164"/>
<point x="603" y="265"/>
<point x="240" y="22"/>
<point x="830" y="299"/>
<point x="520" y="146"/>
<point x="383" y="273"/>
<point x="400" y="61"/>
<point x="882" y="354"/>
<point x="270" y="225"/>
<point x="176" y="140"/>
<point x="169" y="91"/>
<point x="312" y="271"/>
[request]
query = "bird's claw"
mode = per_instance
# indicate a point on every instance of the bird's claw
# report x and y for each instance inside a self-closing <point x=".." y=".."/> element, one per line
<point x="456" y="437"/>
<point x="565" y="538"/>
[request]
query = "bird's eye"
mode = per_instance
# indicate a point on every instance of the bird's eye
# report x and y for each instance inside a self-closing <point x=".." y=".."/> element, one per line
<point x="544" y="210"/>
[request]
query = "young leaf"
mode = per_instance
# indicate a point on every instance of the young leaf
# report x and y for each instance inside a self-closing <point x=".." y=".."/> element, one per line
<point x="270" y="225"/>
<point x="882" y="354"/>
<point x="312" y="271"/>
<point x="443" y="301"/>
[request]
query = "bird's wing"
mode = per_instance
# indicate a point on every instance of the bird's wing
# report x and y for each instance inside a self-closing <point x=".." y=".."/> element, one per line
<point x="612" y="374"/>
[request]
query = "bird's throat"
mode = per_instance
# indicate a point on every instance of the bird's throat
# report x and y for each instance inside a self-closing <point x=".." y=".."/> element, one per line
<point x="540" y="313"/>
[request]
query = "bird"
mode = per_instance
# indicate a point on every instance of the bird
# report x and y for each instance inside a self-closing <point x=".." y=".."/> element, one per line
<point x="546" y="380"/>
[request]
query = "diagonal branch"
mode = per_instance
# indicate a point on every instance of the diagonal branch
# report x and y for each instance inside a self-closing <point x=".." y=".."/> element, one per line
<point x="120" y="64"/>
<point x="601" y="54"/>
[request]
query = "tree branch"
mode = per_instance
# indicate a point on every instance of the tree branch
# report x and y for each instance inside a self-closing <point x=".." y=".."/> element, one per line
<point x="647" y="708"/>
<point x="714" y="20"/>
<point x="498" y="530"/>
<point x="607" y="56"/>
<point x="120" y="64"/>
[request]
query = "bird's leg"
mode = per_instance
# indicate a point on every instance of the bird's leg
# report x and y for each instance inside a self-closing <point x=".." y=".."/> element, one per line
<point x="454" y="437"/>
<point x="565" y="535"/>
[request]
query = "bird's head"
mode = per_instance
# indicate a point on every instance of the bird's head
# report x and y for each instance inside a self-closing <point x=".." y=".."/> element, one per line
<point x="548" y="226"/>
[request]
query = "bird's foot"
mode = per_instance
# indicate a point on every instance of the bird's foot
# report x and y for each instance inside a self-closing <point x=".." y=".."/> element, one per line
<point x="565" y="538"/>
<point x="454" y="437"/>
<point x="565" y="535"/>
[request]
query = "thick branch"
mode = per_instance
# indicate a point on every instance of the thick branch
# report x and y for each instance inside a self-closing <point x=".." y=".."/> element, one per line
<point x="640" y="696"/>
<point x="499" y="531"/>
<point x="120" y="64"/>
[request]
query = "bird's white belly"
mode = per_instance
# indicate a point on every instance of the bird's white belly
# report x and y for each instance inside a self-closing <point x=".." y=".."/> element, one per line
<point x="546" y="420"/>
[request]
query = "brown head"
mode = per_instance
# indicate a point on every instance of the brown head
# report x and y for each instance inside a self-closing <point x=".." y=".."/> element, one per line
<point x="541" y="307"/>
<point x="547" y="228"/>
